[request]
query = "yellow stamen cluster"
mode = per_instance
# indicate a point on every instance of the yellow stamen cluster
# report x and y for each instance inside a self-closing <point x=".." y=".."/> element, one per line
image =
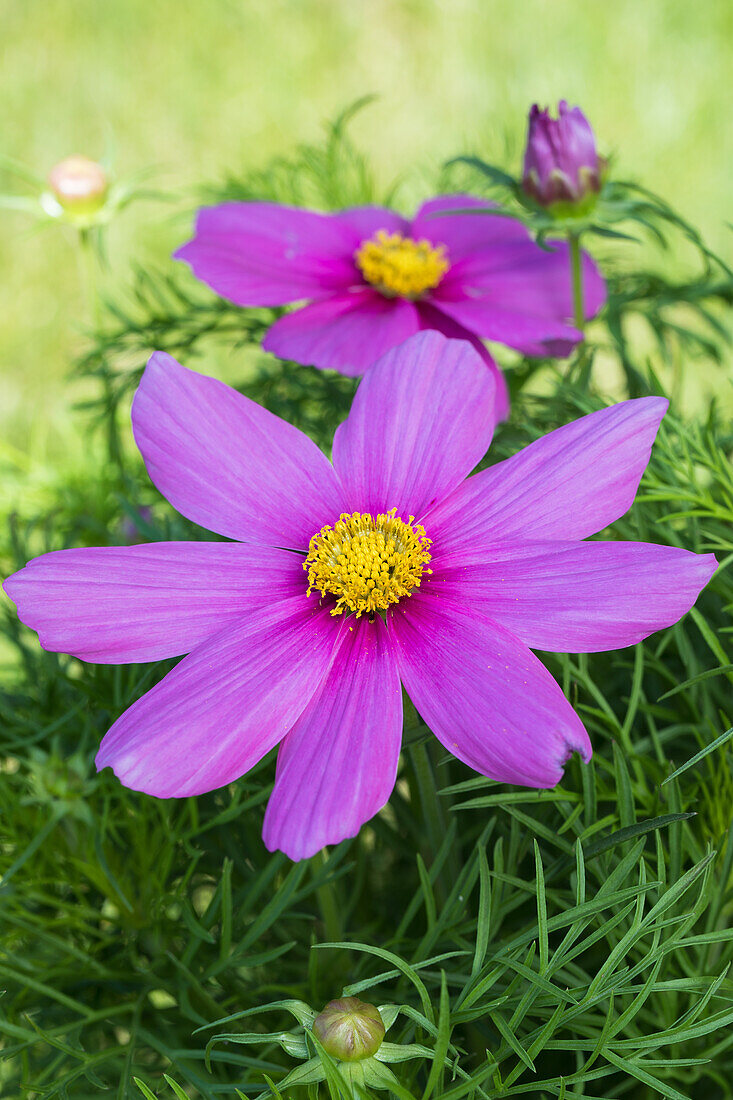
<point x="399" y="266"/>
<point x="367" y="563"/>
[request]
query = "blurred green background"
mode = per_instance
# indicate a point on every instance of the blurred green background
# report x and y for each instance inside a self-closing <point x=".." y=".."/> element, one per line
<point x="199" y="88"/>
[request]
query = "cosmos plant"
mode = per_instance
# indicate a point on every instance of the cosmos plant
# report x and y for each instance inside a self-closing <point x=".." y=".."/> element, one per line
<point x="388" y="566"/>
<point x="373" y="278"/>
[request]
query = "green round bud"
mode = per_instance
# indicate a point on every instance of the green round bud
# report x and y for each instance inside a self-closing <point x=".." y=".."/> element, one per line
<point x="79" y="185"/>
<point x="349" y="1029"/>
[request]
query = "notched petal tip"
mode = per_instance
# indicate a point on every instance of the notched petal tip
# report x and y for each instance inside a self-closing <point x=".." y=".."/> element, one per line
<point x="162" y="360"/>
<point x="660" y="404"/>
<point x="582" y="747"/>
<point x="298" y="849"/>
<point x="700" y="569"/>
<point x="143" y="774"/>
<point x="190" y="250"/>
<point x="184" y="252"/>
<point x="161" y="368"/>
<point x="712" y="563"/>
<point x="584" y="750"/>
<point x="14" y="588"/>
<point x="9" y="585"/>
<point x="126" y="776"/>
<point x="647" y="415"/>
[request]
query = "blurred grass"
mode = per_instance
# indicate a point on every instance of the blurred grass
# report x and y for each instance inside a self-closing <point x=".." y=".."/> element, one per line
<point x="201" y="87"/>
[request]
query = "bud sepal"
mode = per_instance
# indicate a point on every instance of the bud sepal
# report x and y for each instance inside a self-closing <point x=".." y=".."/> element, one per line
<point x="320" y="1063"/>
<point x="78" y="191"/>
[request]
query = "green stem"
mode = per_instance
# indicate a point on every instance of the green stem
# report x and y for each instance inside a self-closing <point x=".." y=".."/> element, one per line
<point x="88" y="275"/>
<point x="89" y="270"/>
<point x="578" y="312"/>
<point x="327" y="900"/>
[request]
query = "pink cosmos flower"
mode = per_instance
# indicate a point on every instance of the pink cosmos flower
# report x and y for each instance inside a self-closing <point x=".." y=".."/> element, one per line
<point x="388" y="565"/>
<point x="374" y="279"/>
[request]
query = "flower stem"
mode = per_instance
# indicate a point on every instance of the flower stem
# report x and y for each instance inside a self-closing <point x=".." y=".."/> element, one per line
<point x="89" y="269"/>
<point x="88" y="274"/>
<point x="577" y="272"/>
<point x="327" y="900"/>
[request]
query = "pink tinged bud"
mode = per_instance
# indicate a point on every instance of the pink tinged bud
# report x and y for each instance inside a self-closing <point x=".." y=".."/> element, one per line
<point x="561" y="163"/>
<point x="349" y="1029"/>
<point x="79" y="185"/>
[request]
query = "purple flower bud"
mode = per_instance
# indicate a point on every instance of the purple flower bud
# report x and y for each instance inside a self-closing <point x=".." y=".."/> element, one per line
<point x="561" y="164"/>
<point x="349" y="1029"/>
<point x="79" y="185"/>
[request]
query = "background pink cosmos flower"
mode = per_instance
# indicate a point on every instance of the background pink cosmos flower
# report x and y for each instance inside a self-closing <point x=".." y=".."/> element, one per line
<point x="371" y="286"/>
<point x="269" y="664"/>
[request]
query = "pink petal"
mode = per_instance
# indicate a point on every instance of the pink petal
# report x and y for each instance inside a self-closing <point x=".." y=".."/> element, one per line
<point x="577" y="597"/>
<point x="113" y="604"/>
<point x="363" y="222"/>
<point x="348" y="332"/>
<point x="533" y="336"/>
<point x="567" y="485"/>
<point x="521" y="295"/>
<point x="485" y="696"/>
<point x="337" y="766"/>
<point x="527" y="279"/>
<point x="228" y="464"/>
<point x="226" y="704"/>
<point x="420" y="421"/>
<point x="432" y="318"/>
<point x="265" y="254"/>
<point x="440" y="221"/>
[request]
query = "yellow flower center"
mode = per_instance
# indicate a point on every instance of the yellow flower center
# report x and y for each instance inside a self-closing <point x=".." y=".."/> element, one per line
<point x="399" y="266"/>
<point x="367" y="563"/>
